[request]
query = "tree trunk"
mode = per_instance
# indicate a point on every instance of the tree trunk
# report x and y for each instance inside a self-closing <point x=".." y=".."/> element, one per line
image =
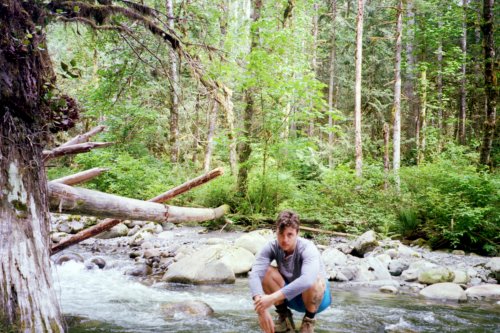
<point x="84" y="137"/>
<point x="409" y="88"/>
<point x="440" y="81"/>
<point x="463" y="79"/>
<point x="210" y="136"/>
<point x="73" y="149"/>
<point x="245" y="148"/>
<point x="80" y="177"/>
<point x="396" y="160"/>
<point x="313" y="63"/>
<point x="357" y="90"/>
<point x="28" y="303"/>
<point x="73" y="200"/>
<point x="386" y="155"/>
<point x="331" y="86"/>
<point x="490" y="83"/>
<point x="422" y="117"/>
<point x="174" y="90"/>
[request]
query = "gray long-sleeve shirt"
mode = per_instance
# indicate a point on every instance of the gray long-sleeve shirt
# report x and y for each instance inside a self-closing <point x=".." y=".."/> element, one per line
<point x="300" y="270"/>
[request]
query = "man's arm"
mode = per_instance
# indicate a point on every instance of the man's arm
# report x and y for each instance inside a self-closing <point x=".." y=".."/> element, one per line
<point x="259" y="269"/>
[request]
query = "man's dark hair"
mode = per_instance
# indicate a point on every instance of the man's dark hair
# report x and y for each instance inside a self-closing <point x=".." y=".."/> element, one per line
<point x="287" y="218"/>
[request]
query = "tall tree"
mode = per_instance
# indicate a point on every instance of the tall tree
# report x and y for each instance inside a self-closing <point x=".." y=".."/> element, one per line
<point x="174" y="89"/>
<point x="331" y="85"/>
<point x="463" y="80"/>
<point x="409" y="86"/>
<point x="245" y="148"/>
<point x="397" y="95"/>
<point x="357" y="90"/>
<point x="490" y="82"/>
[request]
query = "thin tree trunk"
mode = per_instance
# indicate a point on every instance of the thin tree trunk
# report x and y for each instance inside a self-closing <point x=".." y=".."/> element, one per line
<point x="386" y="155"/>
<point x="440" y="81"/>
<point x="245" y="148"/>
<point x="174" y="90"/>
<point x="210" y="136"/>
<point x="396" y="160"/>
<point x="409" y="87"/>
<point x="84" y="137"/>
<point x="80" y="177"/>
<point x="422" y="117"/>
<point x="313" y="63"/>
<point x="331" y="86"/>
<point x="357" y="90"/>
<point x="463" y="80"/>
<point x="490" y="83"/>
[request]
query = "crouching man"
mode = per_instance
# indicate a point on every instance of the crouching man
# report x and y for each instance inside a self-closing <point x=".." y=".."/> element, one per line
<point x="299" y="282"/>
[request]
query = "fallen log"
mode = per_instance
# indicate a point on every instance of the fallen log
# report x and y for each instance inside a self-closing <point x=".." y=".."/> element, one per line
<point x="335" y="233"/>
<point x="80" y="177"/>
<point x="188" y="185"/>
<point x="182" y="214"/>
<point x="84" y="137"/>
<point x="73" y="149"/>
<point x="67" y="199"/>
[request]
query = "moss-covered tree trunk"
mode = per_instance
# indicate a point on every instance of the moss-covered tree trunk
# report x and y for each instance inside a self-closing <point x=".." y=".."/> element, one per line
<point x="28" y="302"/>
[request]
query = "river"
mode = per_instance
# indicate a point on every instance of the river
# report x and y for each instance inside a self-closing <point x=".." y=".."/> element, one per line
<point x="109" y="301"/>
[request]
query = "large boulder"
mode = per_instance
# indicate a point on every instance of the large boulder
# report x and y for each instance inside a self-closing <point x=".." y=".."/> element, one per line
<point x="253" y="241"/>
<point x="119" y="230"/>
<point x="378" y="269"/>
<point x="413" y="271"/>
<point x="208" y="265"/>
<point x="494" y="266"/>
<point x="364" y="243"/>
<point x="396" y="267"/>
<point x="333" y="257"/>
<point x="140" y="237"/>
<point x="490" y="291"/>
<point x="186" y="309"/>
<point x="436" y="275"/>
<point x="444" y="291"/>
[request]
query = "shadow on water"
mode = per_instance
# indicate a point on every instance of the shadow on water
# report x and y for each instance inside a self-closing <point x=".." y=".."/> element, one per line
<point x="108" y="301"/>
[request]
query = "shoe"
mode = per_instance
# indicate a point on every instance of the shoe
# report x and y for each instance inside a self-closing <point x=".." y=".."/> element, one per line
<point x="284" y="322"/>
<point x="307" y="325"/>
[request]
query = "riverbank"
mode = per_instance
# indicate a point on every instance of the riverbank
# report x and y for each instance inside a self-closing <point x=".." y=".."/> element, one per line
<point x="186" y="254"/>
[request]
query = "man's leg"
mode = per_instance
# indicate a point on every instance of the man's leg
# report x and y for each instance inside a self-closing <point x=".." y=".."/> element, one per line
<point x="312" y="298"/>
<point x="273" y="281"/>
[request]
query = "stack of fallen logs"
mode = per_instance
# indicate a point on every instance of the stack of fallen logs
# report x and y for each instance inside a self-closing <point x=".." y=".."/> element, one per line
<point x="64" y="198"/>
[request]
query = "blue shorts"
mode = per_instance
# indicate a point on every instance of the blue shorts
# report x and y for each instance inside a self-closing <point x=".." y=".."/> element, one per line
<point x="297" y="303"/>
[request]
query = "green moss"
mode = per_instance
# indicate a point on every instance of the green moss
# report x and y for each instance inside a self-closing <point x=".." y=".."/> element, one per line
<point x="19" y="205"/>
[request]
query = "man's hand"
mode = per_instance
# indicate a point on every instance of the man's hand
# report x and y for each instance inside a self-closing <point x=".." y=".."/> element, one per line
<point x="266" y="322"/>
<point x="262" y="303"/>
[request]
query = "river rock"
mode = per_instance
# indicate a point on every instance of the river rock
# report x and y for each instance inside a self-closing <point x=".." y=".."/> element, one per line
<point x="70" y="256"/>
<point x="56" y="237"/>
<point x="119" y="230"/>
<point x="494" y="266"/>
<point x="461" y="276"/>
<point x="396" y="267"/>
<point x="140" y="270"/>
<point x="186" y="309"/>
<point x="445" y="291"/>
<point x="253" y="241"/>
<point x="99" y="262"/>
<point x="413" y="271"/>
<point x="389" y="290"/>
<point x="436" y="275"/>
<point x="140" y="237"/>
<point x="333" y="257"/>
<point x="151" y="253"/>
<point x="384" y="258"/>
<point x="458" y="252"/>
<point x="133" y="231"/>
<point x="378" y="269"/>
<point x="364" y="243"/>
<point x="347" y="272"/>
<point x="208" y="265"/>
<point x="406" y="252"/>
<point x="490" y="291"/>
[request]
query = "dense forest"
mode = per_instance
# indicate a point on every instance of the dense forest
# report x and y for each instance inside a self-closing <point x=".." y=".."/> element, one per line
<point x="272" y="91"/>
<point x="357" y="114"/>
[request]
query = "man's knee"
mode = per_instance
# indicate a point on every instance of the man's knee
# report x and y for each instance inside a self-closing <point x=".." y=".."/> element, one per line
<point x="272" y="280"/>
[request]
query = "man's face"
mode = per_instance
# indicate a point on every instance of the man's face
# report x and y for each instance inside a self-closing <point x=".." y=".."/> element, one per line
<point x="287" y="239"/>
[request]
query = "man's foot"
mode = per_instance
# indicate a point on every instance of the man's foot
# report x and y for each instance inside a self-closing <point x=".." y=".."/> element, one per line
<point x="284" y="322"/>
<point x="307" y="325"/>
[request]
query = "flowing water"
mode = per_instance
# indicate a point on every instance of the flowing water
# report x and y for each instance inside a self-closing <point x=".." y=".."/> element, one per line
<point x="109" y="301"/>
